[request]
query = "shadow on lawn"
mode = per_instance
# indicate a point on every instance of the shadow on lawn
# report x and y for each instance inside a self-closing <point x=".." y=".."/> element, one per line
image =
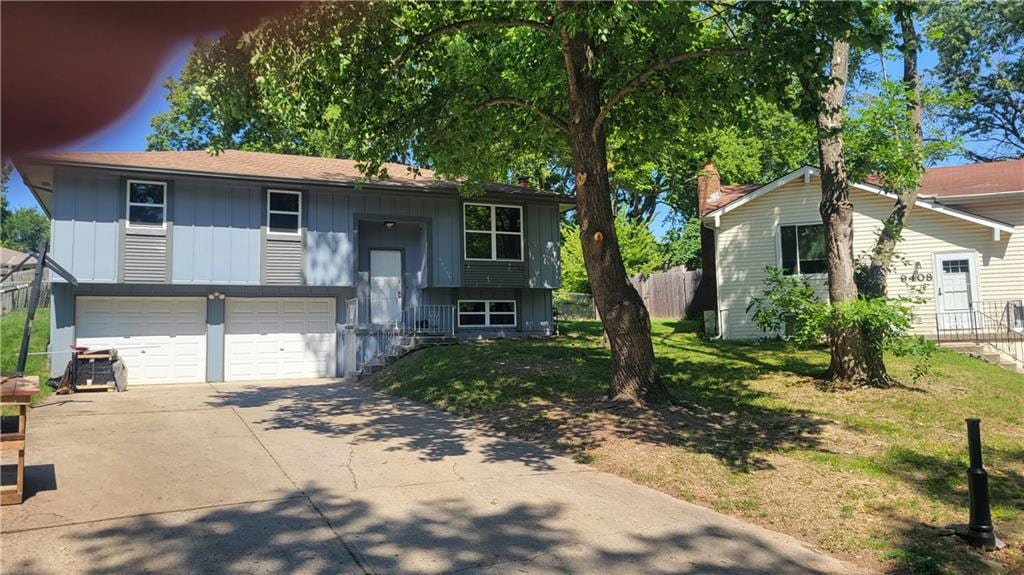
<point x="719" y="413"/>
<point x="321" y="533"/>
<point x="944" y="478"/>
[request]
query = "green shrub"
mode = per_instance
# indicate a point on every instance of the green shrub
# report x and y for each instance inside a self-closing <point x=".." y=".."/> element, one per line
<point x="790" y="306"/>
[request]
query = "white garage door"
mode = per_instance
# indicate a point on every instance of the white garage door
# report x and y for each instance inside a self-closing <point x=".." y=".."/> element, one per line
<point x="162" y="339"/>
<point x="279" y="338"/>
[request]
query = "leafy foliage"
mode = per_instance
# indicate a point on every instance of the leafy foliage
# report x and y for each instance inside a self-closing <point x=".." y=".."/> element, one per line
<point x="789" y="305"/>
<point x="641" y="252"/>
<point x="23" y="229"/>
<point x="980" y="46"/>
<point x="681" y="246"/>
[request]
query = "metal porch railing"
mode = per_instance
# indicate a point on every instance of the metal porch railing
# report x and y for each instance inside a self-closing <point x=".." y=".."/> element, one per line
<point x="414" y="323"/>
<point x="997" y="324"/>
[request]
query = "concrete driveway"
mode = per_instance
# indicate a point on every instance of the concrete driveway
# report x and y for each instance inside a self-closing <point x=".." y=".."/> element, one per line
<point x="315" y="477"/>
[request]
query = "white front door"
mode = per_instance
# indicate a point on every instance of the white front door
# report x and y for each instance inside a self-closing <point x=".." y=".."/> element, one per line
<point x="162" y="339"/>
<point x="385" y="285"/>
<point x="957" y="292"/>
<point x="279" y="338"/>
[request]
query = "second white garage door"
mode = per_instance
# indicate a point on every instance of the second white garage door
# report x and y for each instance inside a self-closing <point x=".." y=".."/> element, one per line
<point x="279" y="338"/>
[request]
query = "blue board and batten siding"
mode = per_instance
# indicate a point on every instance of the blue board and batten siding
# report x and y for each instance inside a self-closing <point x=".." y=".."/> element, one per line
<point x="543" y="238"/>
<point x="332" y="223"/>
<point x="87" y="209"/>
<point x="216" y="232"/>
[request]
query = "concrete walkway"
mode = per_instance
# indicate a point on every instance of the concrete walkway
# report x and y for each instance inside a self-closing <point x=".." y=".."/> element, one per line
<point x="308" y="477"/>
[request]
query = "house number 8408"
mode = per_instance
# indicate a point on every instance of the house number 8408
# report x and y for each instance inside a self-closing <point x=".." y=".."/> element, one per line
<point x="916" y="277"/>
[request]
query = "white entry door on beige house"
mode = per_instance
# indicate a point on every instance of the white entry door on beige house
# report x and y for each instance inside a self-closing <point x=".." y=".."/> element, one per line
<point x="162" y="339"/>
<point x="279" y="338"/>
<point x="957" y="294"/>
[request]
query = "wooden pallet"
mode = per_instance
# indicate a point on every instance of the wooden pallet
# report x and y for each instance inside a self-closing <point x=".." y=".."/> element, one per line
<point x="97" y="387"/>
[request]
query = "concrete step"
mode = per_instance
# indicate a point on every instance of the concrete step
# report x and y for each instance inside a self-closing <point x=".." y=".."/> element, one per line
<point x="984" y="353"/>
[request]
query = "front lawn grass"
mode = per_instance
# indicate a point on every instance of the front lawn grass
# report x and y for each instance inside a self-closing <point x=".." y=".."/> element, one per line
<point x="870" y="475"/>
<point x="12" y="326"/>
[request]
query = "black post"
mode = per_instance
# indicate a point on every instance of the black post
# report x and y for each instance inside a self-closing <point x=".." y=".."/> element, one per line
<point x="979" y="531"/>
<point x="33" y="301"/>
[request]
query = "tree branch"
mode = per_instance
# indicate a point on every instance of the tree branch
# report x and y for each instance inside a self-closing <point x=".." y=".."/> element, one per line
<point x="635" y="82"/>
<point x="469" y="24"/>
<point x="520" y="103"/>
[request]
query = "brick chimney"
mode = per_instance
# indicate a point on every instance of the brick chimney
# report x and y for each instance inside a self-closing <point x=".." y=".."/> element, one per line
<point x="709" y="186"/>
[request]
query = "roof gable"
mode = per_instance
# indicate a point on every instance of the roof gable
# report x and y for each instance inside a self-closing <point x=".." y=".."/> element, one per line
<point x="807" y="172"/>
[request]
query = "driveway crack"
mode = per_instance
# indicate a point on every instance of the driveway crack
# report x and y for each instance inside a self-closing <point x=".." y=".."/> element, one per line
<point x="348" y="465"/>
<point x="352" y="550"/>
<point x="455" y="470"/>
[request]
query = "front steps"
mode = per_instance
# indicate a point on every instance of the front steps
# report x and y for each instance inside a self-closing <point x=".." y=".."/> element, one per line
<point x="985" y="352"/>
<point x="408" y="345"/>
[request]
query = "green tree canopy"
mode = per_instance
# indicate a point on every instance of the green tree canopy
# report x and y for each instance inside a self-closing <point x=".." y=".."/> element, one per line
<point x="682" y="245"/>
<point x="23" y="229"/>
<point x="980" y="45"/>
<point x="641" y="252"/>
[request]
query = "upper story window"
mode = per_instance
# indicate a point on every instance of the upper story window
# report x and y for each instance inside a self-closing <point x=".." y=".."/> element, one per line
<point x="147" y="204"/>
<point x="803" y="249"/>
<point x="493" y="232"/>
<point x="284" y="211"/>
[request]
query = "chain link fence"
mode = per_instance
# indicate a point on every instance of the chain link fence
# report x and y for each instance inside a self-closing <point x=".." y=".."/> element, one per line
<point x="575" y="305"/>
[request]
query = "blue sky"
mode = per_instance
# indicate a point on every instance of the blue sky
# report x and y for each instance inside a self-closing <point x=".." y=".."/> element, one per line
<point x="129" y="132"/>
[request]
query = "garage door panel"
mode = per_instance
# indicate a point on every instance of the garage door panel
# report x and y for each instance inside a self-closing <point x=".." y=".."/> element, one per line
<point x="162" y="340"/>
<point x="288" y="338"/>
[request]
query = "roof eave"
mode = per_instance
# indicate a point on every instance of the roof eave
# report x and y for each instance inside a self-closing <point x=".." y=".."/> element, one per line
<point x="385" y="185"/>
<point x="717" y="214"/>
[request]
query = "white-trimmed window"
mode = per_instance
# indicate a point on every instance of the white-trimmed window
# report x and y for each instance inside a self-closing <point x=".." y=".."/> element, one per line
<point x="802" y="249"/>
<point x="487" y="313"/>
<point x="284" y="212"/>
<point x="493" y="232"/>
<point x="147" y="204"/>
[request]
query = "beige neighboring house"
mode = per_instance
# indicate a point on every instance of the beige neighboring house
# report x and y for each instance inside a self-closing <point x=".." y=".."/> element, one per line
<point x="962" y="251"/>
<point x="9" y="259"/>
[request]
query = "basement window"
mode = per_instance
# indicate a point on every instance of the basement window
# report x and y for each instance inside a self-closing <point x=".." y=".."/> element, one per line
<point x="803" y="249"/>
<point x="147" y="204"/>
<point x="484" y="313"/>
<point x="284" y="212"/>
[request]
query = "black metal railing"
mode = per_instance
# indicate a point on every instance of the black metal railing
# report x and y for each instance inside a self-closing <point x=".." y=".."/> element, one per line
<point x="997" y="324"/>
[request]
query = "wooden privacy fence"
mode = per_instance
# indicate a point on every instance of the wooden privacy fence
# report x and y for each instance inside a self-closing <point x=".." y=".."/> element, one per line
<point x="15" y="292"/>
<point x="670" y="294"/>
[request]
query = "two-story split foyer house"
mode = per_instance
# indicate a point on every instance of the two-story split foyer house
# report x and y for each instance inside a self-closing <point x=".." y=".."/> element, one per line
<point x="253" y="266"/>
<point x="961" y="258"/>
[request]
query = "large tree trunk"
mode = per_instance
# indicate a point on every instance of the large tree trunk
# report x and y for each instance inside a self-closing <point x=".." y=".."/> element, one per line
<point x="626" y="321"/>
<point x="874" y="283"/>
<point x="850" y="358"/>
